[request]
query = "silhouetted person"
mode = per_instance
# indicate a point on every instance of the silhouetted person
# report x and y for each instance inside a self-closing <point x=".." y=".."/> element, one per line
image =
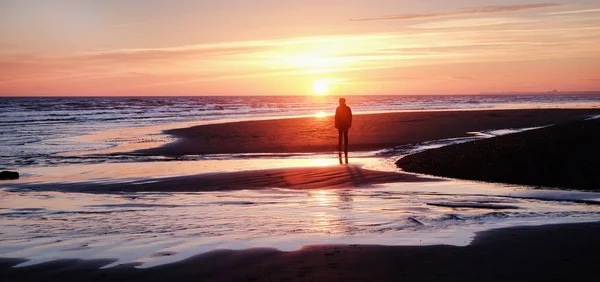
<point x="343" y="122"/>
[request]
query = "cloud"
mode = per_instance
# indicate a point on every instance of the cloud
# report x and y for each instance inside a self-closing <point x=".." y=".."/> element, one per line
<point x="462" y="12"/>
<point x="384" y="79"/>
<point x="470" y="22"/>
<point x="22" y="68"/>
<point x="372" y="56"/>
<point x="213" y="61"/>
<point x="167" y="53"/>
<point x="409" y="78"/>
<point x="574" y="12"/>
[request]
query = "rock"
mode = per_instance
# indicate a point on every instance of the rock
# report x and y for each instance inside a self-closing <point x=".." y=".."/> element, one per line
<point x="9" y="175"/>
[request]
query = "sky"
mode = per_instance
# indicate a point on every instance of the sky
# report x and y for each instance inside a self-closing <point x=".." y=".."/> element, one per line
<point x="309" y="47"/>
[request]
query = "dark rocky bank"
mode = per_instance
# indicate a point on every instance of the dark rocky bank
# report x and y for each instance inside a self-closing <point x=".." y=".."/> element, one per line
<point x="562" y="156"/>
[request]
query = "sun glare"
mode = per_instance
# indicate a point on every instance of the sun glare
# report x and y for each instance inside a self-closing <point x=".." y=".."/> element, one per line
<point x="320" y="114"/>
<point x="321" y="86"/>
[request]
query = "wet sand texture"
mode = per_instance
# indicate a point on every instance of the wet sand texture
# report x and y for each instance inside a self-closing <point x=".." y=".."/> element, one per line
<point x="547" y="253"/>
<point x="564" y="156"/>
<point x="329" y="177"/>
<point x="368" y="132"/>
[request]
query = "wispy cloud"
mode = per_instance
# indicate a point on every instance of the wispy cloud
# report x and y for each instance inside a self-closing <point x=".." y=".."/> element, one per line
<point x="409" y="78"/>
<point x="462" y="12"/>
<point x="574" y="12"/>
<point x="362" y="58"/>
<point x="471" y="22"/>
<point x="167" y="53"/>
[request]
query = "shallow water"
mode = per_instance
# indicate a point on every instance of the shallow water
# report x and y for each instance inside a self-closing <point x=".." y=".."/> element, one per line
<point x="157" y="228"/>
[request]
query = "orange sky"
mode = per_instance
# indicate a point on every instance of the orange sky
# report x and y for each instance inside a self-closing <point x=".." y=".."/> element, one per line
<point x="272" y="47"/>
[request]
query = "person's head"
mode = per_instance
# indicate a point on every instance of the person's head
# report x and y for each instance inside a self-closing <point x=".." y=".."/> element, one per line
<point x="342" y="101"/>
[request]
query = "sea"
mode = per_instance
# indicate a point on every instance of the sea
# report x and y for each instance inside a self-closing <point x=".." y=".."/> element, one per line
<point x="35" y="131"/>
<point x="85" y="139"/>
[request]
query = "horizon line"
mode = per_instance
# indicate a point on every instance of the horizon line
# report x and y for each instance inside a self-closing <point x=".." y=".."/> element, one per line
<point x="592" y="92"/>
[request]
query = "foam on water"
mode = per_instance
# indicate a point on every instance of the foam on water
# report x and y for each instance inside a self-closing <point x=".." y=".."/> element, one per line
<point x="400" y="151"/>
<point x="593" y="117"/>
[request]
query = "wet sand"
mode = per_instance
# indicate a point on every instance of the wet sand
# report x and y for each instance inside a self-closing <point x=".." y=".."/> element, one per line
<point x="562" y="156"/>
<point x="369" y="131"/>
<point x="546" y="253"/>
<point x="328" y="177"/>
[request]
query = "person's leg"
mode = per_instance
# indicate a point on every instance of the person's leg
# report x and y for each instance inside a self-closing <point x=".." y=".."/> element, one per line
<point x="340" y="132"/>
<point x="346" y="145"/>
<point x="346" y="142"/>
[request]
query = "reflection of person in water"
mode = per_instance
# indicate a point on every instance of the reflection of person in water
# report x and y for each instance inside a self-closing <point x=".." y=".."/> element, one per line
<point x="343" y="122"/>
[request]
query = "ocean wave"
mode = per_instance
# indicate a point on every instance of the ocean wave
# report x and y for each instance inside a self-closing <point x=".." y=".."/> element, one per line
<point x="11" y="122"/>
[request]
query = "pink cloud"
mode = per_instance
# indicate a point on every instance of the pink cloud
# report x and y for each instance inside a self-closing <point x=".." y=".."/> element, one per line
<point x="462" y="12"/>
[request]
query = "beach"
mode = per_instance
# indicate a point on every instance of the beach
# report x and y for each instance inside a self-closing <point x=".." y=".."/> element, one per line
<point x="368" y="133"/>
<point x="299" y="140"/>
<point x="547" y="253"/>
<point x="314" y="135"/>
<point x="268" y="199"/>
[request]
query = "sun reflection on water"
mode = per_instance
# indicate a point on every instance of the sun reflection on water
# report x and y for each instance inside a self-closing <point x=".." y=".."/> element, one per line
<point x="323" y="222"/>
<point x="133" y="227"/>
<point x="331" y="211"/>
<point x="323" y="197"/>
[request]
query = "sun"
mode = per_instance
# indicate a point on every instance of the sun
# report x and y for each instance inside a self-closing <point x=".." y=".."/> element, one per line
<point x="321" y="86"/>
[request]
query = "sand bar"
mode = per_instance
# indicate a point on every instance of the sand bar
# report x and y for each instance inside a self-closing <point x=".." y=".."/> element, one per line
<point x="328" y="177"/>
<point x="369" y="131"/>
